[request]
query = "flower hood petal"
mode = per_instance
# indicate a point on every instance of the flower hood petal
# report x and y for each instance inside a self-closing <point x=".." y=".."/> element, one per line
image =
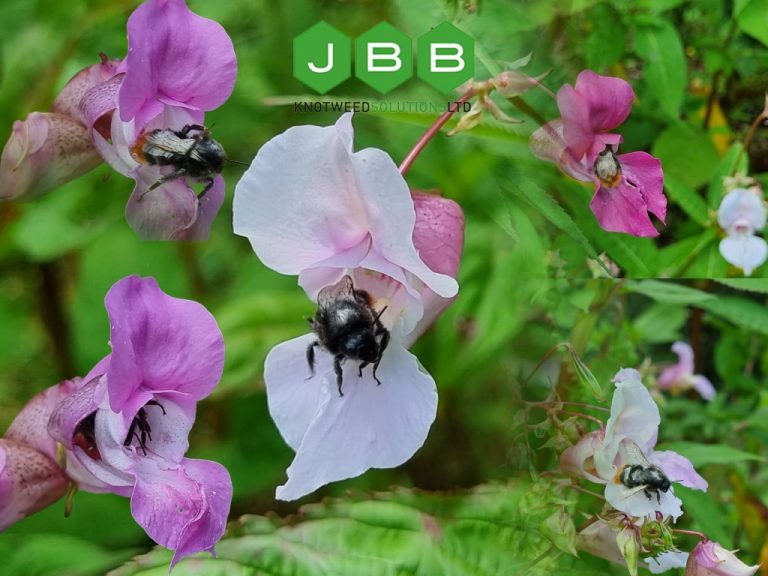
<point x="159" y="344"/>
<point x="678" y="469"/>
<point x="742" y="204"/>
<point x="328" y="201"/>
<point x="175" y="57"/>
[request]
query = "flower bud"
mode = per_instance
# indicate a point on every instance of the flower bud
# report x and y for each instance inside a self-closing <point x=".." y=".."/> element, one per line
<point x="43" y="152"/>
<point x="628" y="541"/>
<point x="711" y="559"/>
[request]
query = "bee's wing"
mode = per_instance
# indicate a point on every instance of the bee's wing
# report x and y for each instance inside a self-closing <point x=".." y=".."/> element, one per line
<point x="167" y="141"/>
<point x="632" y="491"/>
<point x="342" y="289"/>
<point x="635" y="453"/>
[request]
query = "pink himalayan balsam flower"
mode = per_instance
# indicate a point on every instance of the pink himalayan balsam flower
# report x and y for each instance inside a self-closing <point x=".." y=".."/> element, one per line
<point x="179" y="65"/>
<point x="633" y="424"/>
<point x="167" y="354"/>
<point x="628" y="186"/>
<point x="312" y="206"/>
<point x="742" y="213"/>
<point x="680" y="376"/>
<point x="711" y="559"/>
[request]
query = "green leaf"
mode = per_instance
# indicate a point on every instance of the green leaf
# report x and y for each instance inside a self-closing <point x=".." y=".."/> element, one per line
<point x="687" y="198"/>
<point x="661" y="49"/>
<point x="689" y="158"/>
<point x="734" y="161"/>
<point x="606" y="43"/>
<point x="706" y="513"/>
<point x="669" y="292"/>
<point x="747" y="284"/>
<point x="490" y="530"/>
<point x="744" y="313"/>
<point x="702" y="454"/>
<point x="752" y="17"/>
<point x="630" y="253"/>
<point x="661" y="322"/>
<point x="551" y="210"/>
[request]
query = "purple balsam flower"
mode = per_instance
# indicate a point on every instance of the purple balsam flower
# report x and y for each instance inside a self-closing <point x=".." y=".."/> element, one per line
<point x="742" y="213"/>
<point x="680" y="376"/>
<point x="628" y="439"/>
<point x="628" y="186"/>
<point x="128" y="425"/>
<point x="179" y="66"/>
<point x="310" y="205"/>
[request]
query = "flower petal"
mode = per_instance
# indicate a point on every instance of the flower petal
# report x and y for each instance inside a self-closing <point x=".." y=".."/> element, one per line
<point x="678" y="469"/>
<point x="741" y="203"/>
<point x="579" y="458"/>
<point x="294" y="399"/>
<point x="708" y="558"/>
<point x="578" y="131"/>
<point x="744" y="251"/>
<point x="183" y="508"/>
<point x="175" y="57"/>
<point x="29" y="481"/>
<point x="30" y="427"/>
<point x="161" y="213"/>
<point x="298" y="203"/>
<point x="159" y="344"/>
<point x="609" y="99"/>
<point x="548" y="143"/>
<point x="369" y="427"/>
<point x="69" y="99"/>
<point x="704" y="387"/>
<point x="207" y="529"/>
<point x="207" y="209"/>
<point x="667" y="561"/>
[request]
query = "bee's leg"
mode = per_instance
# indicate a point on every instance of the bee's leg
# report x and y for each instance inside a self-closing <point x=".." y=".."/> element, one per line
<point x="156" y="403"/>
<point x="189" y="127"/>
<point x="360" y="369"/>
<point x="337" y="360"/>
<point x="162" y="180"/>
<point x="207" y="187"/>
<point x="311" y="359"/>
<point x="131" y="433"/>
<point x="384" y="333"/>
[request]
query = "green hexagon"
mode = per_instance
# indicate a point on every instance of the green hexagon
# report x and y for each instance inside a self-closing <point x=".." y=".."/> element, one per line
<point x="311" y="62"/>
<point x="383" y="57"/>
<point x="446" y="57"/>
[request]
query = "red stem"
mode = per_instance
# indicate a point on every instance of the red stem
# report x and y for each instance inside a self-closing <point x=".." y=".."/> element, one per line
<point x="434" y="129"/>
<point x="690" y="533"/>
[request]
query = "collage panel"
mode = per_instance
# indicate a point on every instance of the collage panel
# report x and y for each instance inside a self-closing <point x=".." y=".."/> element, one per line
<point x="371" y="288"/>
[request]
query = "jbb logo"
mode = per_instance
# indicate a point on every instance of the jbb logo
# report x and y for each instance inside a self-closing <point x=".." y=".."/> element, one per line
<point x="322" y="57"/>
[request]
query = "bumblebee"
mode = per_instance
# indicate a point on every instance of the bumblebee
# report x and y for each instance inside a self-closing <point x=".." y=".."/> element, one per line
<point x="191" y="151"/>
<point x="85" y="436"/>
<point x="643" y="477"/>
<point x="140" y="421"/>
<point x="347" y="326"/>
<point x="607" y="168"/>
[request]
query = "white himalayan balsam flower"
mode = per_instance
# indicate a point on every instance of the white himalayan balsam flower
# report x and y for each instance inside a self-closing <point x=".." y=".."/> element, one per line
<point x="742" y="213"/>
<point x="312" y="206"/>
<point x="633" y="425"/>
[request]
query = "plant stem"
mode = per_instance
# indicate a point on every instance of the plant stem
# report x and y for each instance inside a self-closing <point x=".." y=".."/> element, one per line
<point x="690" y="533"/>
<point x="748" y="139"/>
<point x="432" y="130"/>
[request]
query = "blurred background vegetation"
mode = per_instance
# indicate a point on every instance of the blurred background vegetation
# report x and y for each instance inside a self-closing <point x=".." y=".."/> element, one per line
<point x="698" y="70"/>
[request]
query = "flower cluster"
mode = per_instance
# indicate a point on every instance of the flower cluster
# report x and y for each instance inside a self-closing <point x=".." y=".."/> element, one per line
<point x="179" y="65"/>
<point x="312" y="206"/>
<point x="742" y="213"/>
<point x="123" y="428"/>
<point x="638" y="482"/>
<point x="628" y="186"/>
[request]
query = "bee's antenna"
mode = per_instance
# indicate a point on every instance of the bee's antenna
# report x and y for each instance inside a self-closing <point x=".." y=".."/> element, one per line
<point x="381" y="312"/>
<point x="237" y="162"/>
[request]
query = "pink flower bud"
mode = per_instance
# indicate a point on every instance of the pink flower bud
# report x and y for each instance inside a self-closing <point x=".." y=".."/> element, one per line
<point x="44" y="151"/>
<point x="711" y="559"/>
